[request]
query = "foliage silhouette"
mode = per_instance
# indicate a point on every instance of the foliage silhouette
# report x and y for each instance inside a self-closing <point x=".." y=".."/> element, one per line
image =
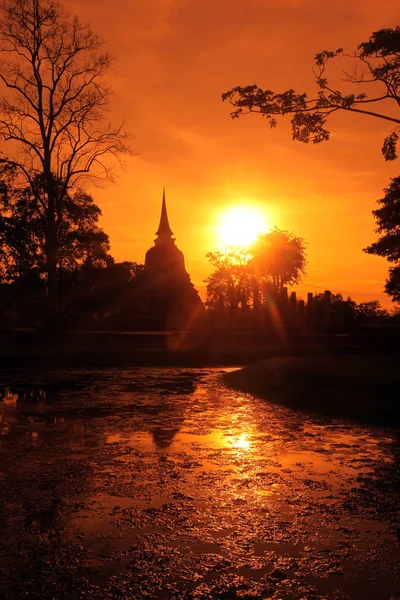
<point x="54" y="115"/>
<point x="342" y="312"/>
<point x="23" y="222"/>
<point x="375" y="63"/>
<point x="243" y="274"/>
<point x="388" y="245"/>
<point x="232" y="280"/>
<point x="104" y="295"/>
<point x="368" y="311"/>
<point x="279" y="256"/>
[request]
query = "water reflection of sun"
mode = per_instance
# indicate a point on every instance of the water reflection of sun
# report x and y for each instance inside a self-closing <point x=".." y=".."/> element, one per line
<point x="241" y="442"/>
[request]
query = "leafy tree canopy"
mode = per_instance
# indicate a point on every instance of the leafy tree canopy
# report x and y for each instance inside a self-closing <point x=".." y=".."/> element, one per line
<point x="371" y="310"/>
<point x="230" y="284"/>
<point x="388" y="226"/>
<point x="375" y="64"/>
<point x="280" y="256"/>
<point x="276" y="259"/>
<point x="392" y="286"/>
<point x="23" y="231"/>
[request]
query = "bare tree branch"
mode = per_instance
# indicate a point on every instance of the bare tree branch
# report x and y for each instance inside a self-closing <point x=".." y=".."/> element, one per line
<point x="376" y="62"/>
<point x="56" y="112"/>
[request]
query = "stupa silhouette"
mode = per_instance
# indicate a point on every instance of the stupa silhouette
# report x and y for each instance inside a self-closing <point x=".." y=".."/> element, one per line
<point x="172" y="298"/>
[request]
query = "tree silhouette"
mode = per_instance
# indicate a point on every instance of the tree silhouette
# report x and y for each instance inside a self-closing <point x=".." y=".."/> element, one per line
<point x="276" y="259"/>
<point x="279" y="256"/>
<point x="342" y="312"/>
<point x="110" y="295"/>
<point x="54" y="115"/>
<point x="375" y="63"/>
<point x="23" y="232"/>
<point x="231" y="282"/>
<point x="388" y="245"/>
<point x="370" y="311"/>
<point x="392" y="286"/>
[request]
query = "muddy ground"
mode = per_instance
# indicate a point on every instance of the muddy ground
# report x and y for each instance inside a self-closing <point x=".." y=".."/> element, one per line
<point x="164" y="483"/>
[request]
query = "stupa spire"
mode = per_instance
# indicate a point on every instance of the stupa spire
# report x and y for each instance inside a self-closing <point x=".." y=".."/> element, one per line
<point x="164" y="230"/>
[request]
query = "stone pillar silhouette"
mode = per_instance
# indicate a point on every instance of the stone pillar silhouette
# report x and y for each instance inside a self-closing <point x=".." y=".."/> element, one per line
<point x="293" y="308"/>
<point x="327" y="308"/>
<point x="283" y="303"/>
<point x="284" y="294"/>
<point x="301" y="312"/>
<point x="310" y="309"/>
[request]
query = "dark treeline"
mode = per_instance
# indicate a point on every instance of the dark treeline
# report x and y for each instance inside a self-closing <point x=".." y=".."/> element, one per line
<point x="323" y="312"/>
<point x="117" y="296"/>
<point x="247" y="289"/>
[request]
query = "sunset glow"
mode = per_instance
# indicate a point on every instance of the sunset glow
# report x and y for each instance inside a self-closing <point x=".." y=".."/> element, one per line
<point x="184" y="138"/>
<point x="240" y="225"/>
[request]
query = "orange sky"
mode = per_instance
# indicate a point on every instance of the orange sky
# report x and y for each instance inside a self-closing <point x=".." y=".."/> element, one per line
<point x="174" y="59"/>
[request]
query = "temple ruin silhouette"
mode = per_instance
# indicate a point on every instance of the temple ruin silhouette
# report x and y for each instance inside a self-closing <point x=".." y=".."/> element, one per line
<point x="172" y="299"/>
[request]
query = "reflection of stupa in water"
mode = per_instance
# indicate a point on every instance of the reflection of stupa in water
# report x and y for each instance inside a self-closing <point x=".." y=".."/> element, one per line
<point x="163" y="438"/>
<point x="172" y="296"/>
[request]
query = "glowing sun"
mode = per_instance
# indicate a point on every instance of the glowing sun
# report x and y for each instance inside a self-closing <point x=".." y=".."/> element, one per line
<point x="240" y="225"/>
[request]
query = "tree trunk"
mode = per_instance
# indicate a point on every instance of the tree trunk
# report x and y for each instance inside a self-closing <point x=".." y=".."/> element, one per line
<point x="51" y="264"/>
<point x="256" y="297"/>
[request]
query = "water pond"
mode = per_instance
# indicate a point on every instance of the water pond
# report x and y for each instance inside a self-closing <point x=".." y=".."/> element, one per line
<point x="164" y="483"/>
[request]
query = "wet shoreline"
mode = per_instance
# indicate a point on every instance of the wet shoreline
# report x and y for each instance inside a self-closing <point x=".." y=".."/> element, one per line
<point x="363" y="388"/>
